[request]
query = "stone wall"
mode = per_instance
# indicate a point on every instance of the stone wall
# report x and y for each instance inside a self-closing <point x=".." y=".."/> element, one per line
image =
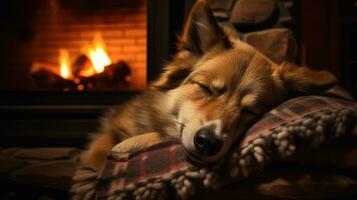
<point x="265" y="24"/>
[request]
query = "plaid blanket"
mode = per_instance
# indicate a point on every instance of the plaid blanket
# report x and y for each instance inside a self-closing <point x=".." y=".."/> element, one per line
<point x="163" y="171"/>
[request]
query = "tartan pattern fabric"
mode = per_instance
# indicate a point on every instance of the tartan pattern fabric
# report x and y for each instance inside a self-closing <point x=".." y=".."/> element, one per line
<point x="295" y="109"/>
<point x="128" y="173"/>
<point x="122" y="170"/>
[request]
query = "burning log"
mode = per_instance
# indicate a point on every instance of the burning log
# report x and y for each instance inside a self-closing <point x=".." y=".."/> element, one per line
<point x="47" y="76"/>
<point x="118" y="73"/>
<point x="38" y="66"/>
<point x="82" y="67"/>
<point x="93" y="72"/>
<point x="114" y="76"/>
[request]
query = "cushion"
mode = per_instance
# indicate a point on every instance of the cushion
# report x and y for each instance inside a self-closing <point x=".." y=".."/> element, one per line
<point x="163" y="170"/>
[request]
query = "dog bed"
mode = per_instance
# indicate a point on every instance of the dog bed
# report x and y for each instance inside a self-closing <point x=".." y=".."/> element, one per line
<point x="163" y="170"/>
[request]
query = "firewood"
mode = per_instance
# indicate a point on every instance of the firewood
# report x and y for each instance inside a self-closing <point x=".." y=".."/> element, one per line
<point x="48" y="80"/>
<point x="47" y="66"/>
<point x="81" y="65"/>
<point x="118" y="72"/>
<point x="114" y="76"/>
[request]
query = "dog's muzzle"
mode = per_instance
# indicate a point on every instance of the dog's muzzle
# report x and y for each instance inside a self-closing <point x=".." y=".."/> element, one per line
<point x="206" y="142"/>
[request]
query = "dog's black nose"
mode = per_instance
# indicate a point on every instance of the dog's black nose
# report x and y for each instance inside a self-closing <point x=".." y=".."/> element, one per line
<point x="206" y="142"/>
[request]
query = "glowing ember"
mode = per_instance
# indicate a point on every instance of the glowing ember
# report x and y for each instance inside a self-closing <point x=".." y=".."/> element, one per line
<point x="65" y="70"/>
<point x="87" y="72"/>
<point x="98" y="55"/>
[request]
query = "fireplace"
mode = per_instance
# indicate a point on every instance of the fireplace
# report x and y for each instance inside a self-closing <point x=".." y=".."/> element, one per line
<point x="63" y="62"/>
<point x="74" y="45"/>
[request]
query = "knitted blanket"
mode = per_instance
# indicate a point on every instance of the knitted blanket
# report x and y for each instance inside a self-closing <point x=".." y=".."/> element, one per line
<point x="163" y="170"/>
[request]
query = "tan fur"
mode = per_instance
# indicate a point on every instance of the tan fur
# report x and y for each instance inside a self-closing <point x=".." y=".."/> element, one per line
<point x="213" y="81"/>
<point x="140" y="142"/>
<point x="97" y="151"/>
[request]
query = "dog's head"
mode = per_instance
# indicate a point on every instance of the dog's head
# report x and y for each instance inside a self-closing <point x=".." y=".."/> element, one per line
<point x="218" y="85"/>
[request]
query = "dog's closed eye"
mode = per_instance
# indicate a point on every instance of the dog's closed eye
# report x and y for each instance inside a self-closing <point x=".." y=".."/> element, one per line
<point x="205" y="88"/>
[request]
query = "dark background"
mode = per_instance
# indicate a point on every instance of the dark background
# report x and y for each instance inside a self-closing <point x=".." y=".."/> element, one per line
<point x="327" y="31"/>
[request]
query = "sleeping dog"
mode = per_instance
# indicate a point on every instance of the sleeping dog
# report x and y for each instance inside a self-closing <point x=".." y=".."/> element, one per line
<point x="207" y="95"/>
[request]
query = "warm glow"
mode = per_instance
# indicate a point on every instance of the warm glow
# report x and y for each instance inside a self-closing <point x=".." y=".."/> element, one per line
<point x="65" y="70"/>
<point x="88" y="72"/>
<point x="98" y="55"/>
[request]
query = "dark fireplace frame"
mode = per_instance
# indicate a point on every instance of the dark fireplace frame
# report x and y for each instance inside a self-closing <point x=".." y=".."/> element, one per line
<point x="66" y="118"/>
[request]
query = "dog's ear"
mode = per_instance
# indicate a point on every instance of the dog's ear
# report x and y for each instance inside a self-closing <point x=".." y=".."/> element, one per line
<point x="201" y="31"/>
<point x="303" y="80"/>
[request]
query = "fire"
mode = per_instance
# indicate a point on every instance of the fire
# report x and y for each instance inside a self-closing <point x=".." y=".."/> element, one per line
<point x="97" y="58"/>
<point x="98" y="55"/>
<point x="92" y="68"/>
<point x="65" y="70"/>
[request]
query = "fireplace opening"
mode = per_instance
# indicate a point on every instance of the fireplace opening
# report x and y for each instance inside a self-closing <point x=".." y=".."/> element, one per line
<point x="63" y="45"/>
<point x="63" y="63"/>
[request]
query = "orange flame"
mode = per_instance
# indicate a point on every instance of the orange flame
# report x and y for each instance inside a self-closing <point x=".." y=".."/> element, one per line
<point x="65" y="70"/>
<point x="88" y="71"/>
<point x="98" y="55"/>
